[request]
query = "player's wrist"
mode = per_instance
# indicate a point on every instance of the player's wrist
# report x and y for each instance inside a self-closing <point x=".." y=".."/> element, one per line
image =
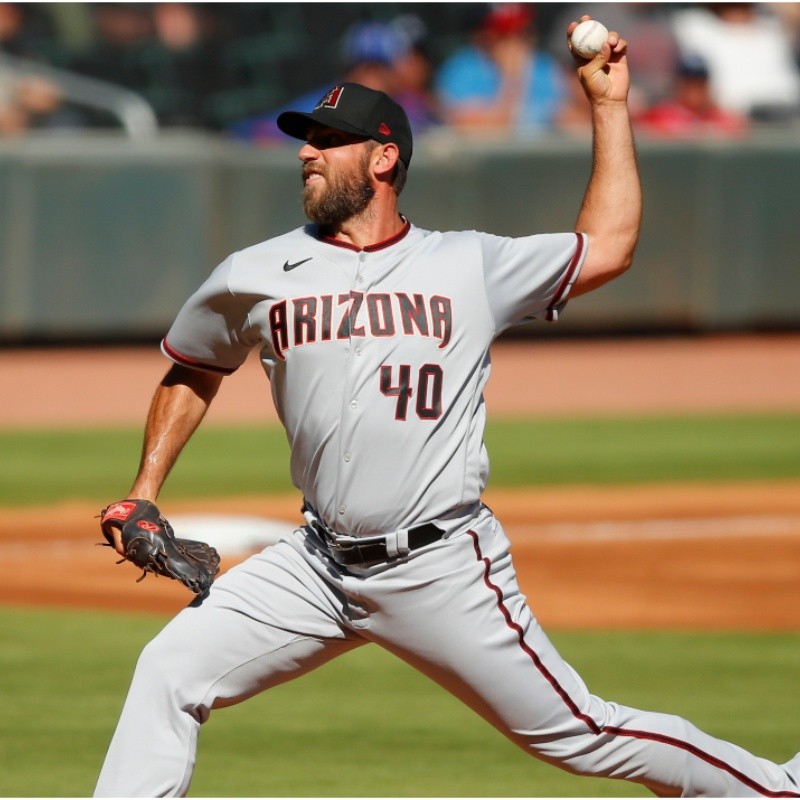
<point x="144" y="489"/>
<point x="610" y="109"/>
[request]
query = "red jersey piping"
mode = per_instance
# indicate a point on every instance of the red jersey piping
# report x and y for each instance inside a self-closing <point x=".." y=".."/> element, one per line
<point x="185" y="361"/>
<point x="593" y="726"/>
<point x="370" y="248"/>
<point x="565" y="281"/>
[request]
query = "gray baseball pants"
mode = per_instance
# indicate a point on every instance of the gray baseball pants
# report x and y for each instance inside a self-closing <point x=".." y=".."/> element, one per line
<point x="453" y="610"/>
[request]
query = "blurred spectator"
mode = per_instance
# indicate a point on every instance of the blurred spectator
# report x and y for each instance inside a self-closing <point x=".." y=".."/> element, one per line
<point x="752" y="66"/>
<point x="164" y="52"/>
<point x="177" y="26"/>
<point x="73" y="31"/>
<point x="789" y="16"/>
<point x="369" y="52"/>
<point x="500" y="83"/>
<point x="691" y="112"/>
<point x="121" y="30"/>
<point x="652" y="59"/>
<point x="27" y="101"/>
<point x="12" y="117"/>
<point x="413" y="71"/>
<point x="121" y="26"/>
<point x="21" y="26"/>
<point x="182" y="62"/>
<point x="375" y="54"/>
<point x="11" y="25"/>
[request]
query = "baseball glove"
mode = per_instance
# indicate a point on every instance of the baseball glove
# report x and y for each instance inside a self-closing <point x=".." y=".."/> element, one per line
<point x="150" y="543"/>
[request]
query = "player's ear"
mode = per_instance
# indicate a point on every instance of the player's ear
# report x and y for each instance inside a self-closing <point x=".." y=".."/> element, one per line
<point x="384" y="160"/>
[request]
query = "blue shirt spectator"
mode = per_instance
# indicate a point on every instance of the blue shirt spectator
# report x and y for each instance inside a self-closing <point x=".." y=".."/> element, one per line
<point x="500" y="83"/>
<point x="373" y="53"/>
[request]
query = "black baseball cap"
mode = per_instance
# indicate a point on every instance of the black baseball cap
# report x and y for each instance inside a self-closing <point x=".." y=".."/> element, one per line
<point x="354" y="108"/>
<point x="692" y="66"/>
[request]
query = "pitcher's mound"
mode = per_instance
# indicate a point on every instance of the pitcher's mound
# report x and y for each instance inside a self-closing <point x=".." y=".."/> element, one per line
<point x="231" y="534"/>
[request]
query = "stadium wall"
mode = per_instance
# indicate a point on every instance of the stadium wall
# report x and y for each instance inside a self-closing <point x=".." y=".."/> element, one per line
<point x="103" y="239"/>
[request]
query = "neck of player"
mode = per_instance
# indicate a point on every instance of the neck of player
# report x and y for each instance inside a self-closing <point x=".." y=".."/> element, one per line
<point x="379" y="221"/>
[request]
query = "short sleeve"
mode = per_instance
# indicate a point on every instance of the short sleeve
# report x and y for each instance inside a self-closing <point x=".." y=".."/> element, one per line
<point x="530" y="277"/>
<point x="212" y="331"/>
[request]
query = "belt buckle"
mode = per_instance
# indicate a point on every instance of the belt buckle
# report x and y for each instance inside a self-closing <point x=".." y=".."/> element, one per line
<point x="357" y="547"/>
<point x="336" y="545"/>
<point x="354" y="541"/>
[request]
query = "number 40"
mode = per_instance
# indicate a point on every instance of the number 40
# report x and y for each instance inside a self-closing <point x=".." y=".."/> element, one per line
<point x="428" y="394"/>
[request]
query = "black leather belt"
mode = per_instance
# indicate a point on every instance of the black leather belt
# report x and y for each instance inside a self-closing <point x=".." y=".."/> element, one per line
<point x="375" y="549"/>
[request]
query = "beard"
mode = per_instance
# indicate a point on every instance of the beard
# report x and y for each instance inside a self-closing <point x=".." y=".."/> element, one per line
<point x="341" y="198"/>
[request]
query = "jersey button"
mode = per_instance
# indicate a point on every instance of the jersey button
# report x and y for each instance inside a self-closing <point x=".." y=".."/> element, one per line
<point x="354" y="404"/>
<point x="347" y="456"/>
<point x="342" y="509"/>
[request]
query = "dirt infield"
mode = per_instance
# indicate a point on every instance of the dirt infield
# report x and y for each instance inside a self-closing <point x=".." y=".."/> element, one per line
<point x="76" y="387"/>
<point x="704" y="557"/>
<point x="711" y="556"/>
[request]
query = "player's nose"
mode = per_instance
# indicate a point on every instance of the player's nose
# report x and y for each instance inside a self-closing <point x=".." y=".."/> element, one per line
<point x="308" y="153"/>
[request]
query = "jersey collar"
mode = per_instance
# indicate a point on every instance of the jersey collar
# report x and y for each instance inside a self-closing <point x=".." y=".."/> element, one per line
<point x="370" y="248"/>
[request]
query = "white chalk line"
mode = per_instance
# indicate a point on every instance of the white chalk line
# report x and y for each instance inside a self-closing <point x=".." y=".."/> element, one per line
<point x="47" y="549"/>
<point x="684" y="528"/>
<point x="739" y="527"/>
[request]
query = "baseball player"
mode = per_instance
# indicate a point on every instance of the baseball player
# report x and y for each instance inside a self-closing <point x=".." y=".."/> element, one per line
<point x="374" y="334"/>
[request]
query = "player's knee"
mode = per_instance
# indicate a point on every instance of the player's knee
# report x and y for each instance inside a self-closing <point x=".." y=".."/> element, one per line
<point x="154" y="666"/>
<point x="575" y="742"/>
<point x="169" y="676"/>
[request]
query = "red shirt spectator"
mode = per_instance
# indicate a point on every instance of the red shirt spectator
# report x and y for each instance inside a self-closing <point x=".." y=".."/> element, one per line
<point x="691" y="111"/>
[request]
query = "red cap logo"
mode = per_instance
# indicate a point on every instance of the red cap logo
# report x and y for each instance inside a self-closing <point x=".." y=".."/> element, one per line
<point x="331" y="100"/>
<point x="384" y="129"/>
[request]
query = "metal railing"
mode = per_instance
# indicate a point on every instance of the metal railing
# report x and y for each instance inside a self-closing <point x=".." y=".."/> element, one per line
<point x="131" y="110"/>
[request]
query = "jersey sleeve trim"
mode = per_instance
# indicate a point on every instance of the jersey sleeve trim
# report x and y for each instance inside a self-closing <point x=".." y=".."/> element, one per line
<point x="185" y="361"/>
<point x="569" y="276"/>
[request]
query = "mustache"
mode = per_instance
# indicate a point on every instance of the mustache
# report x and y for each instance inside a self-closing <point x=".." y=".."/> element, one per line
<point x="310" y="170"/>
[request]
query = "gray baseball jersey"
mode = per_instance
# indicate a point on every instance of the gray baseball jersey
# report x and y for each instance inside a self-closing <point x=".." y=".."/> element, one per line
<point x="377" y="360"/>
<point x="377" y="356"/>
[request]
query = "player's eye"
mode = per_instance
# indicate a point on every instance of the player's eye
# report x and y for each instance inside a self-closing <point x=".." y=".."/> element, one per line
<point x="322" y="140"/>
<point x="325" y="139"/>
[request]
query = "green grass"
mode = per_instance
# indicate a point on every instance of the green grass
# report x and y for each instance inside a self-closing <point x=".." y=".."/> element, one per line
<point x="46" y="466"/>
<point x="614" y="451"/>
<point x="42" y="466"/>
<point x="366" y="724"/>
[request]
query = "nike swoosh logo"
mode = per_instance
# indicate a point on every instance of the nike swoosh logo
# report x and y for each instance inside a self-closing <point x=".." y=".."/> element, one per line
<point x="287" y="267"/>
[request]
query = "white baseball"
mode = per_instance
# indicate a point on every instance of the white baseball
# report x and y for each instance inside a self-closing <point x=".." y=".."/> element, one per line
<point x="589" y="37"/>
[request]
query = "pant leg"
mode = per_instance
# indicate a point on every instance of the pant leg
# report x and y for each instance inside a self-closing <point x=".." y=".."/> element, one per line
<point x="266" y="621"/>
<point x="468" y="627"/>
